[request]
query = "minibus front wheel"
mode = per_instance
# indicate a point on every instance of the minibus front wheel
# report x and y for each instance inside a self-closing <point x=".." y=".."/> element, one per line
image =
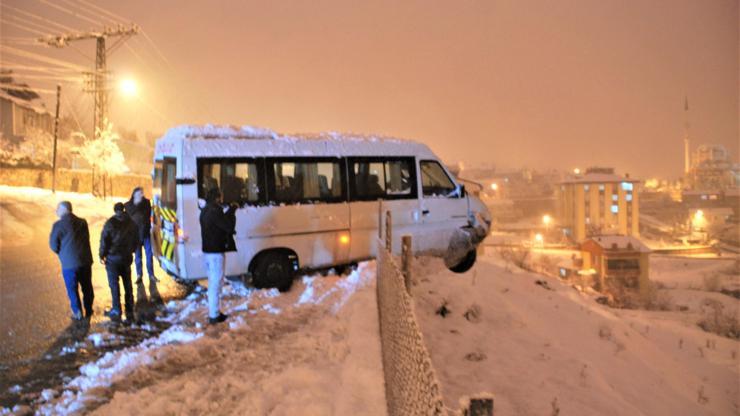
<point x="467" y="262"/>
<point x="274" y="269"/>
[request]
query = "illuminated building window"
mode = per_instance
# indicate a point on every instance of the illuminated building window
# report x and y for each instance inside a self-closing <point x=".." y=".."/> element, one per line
<point x="615" y="209"/>
<point x="586" y="188"/>
<point x="601" y="188"/>
<point x="627" y="186"/>
<point x="615" y="197"/>
<point x="629" y="197"/>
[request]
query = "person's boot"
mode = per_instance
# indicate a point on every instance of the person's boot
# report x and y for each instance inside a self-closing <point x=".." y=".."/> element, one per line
<point x="114" y="315"/>
<point x="220" y="318"/>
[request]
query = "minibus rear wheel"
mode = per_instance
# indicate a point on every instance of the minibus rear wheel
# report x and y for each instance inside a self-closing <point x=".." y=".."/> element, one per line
<point x="466" y="263"/>
<point x="273" y="269"/>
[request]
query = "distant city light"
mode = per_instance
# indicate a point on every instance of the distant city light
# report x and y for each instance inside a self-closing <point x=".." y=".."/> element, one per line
<point x="494" y="186"/>
<point x="129" y="87"/>
<point x="546" y="219"/>
<point x="538" y="238"/>
<point x="577" y="171"/>
<point x="698" y="221"/>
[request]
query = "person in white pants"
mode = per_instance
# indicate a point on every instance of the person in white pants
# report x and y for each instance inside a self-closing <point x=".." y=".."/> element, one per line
<point x="217" y="229"/>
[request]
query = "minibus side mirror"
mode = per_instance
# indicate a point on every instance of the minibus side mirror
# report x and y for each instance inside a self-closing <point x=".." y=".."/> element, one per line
<point x="461" y="191"/>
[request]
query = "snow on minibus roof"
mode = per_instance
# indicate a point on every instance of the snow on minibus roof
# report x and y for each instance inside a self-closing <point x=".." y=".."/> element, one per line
<point x="250" y="132"/>
<point x="218" y="132"/>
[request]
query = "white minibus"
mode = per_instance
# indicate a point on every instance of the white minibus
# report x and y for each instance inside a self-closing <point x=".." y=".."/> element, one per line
<point x="306" y="203"/>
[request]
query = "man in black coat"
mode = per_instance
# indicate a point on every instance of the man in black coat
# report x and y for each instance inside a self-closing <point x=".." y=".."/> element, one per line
<point x="140" y="210"/>
<point x="217" y="229"/>
<point x="118" y="241"/>
<point x="70" y="239"/>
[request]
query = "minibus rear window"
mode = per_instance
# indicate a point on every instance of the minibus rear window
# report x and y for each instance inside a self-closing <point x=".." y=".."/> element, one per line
<point x="169" y="188"/>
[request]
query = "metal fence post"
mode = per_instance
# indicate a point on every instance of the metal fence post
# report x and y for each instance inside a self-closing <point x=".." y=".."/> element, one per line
<point x="406" y="261"/>
<point x="380" y="218"/>
<point x="388" y="232"/>
<point x="478" y="406"/>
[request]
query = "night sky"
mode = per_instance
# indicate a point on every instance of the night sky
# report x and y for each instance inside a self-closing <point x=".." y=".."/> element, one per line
<point x="541" y="84"/>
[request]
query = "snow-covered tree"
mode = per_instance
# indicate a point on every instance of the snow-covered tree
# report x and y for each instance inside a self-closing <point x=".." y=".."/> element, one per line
<point x="103" y="153"/>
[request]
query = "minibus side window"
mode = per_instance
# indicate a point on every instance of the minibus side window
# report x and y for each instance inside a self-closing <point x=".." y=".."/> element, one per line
<point x="306" y="180"/>
<point x="382" y="178"/>
<point x="238" y="180"/>
<point x="434" y="180"/>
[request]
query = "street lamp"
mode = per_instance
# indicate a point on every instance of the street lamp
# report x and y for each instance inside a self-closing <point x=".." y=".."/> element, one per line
<point x="129" y="87"/>
<point x="546" y="219"/>
<point x="539" y="239"/>
<point x="494" y="186"/>
<point x="577" y="171"/>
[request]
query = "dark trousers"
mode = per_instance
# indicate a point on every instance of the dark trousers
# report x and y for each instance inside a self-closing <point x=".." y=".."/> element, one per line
<point x="147" y="246"/>
<point x="122" y="269"/>
<point x="80" y="277"/>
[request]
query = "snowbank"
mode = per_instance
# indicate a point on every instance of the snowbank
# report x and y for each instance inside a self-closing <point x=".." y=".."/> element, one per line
<point x="544" y="348"/>
<point x="313" y="351"/>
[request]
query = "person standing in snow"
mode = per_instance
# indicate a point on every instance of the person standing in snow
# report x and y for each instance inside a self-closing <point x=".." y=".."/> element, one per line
<point x="119" y="239"/>
<point x="140" y="210"/>
<point x="217" y="229"/>
<point x="70" y="240"/>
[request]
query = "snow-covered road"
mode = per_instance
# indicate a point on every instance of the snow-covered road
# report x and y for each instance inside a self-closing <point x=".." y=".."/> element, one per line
<point x="38" y="342"/>
<point x="312" y="351"/>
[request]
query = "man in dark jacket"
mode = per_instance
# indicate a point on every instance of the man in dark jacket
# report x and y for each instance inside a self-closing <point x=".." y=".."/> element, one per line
<point x="70" y="239"/>
<point x="117" y="243"/>
<point x="140" y="211"/>
<point x="217" y="229"/>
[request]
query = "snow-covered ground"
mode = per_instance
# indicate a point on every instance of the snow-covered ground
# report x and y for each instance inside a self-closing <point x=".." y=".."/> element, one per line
<point x="18" y="233"/>
<point x="545" y="348"/>
<point x="312" y="351"/>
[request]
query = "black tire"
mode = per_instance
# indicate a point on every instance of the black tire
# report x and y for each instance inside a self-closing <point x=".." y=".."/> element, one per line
<point x="273" y="269"/>
<point x="466" y="263"/>
<point x="345" y="269"/>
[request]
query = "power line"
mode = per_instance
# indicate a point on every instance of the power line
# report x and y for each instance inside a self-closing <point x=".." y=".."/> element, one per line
<point x="48" y="69"/>
<point x="161" y="55"/>
<point x="77" y="9"/>
<point x="105" y="11"/>
<point x="25" y="21"/>
<point x="69" y="12"/>
<point x="37" y="17"/>
<point x="22" y="88"/>
<point x="49" y="77"/>
<point x="30" y="55"/>
<point x="27" y="29"/>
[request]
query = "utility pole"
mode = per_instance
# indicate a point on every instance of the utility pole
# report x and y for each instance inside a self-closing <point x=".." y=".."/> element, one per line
<point x="100" y="74"/>
<point x="56" y="137"/>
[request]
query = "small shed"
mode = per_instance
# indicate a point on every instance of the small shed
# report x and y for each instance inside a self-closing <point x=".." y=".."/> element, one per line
<point x="618" y="259"/>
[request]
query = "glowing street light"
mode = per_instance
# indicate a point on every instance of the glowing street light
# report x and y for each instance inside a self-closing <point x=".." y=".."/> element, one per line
<point x="539" y="239"/>
<point x="577" y="171"/>
<point x="129" y="87"/>
<point x="494" y="186"/>
<point x="546" y="219"/>
<point x="698" y="221"/>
